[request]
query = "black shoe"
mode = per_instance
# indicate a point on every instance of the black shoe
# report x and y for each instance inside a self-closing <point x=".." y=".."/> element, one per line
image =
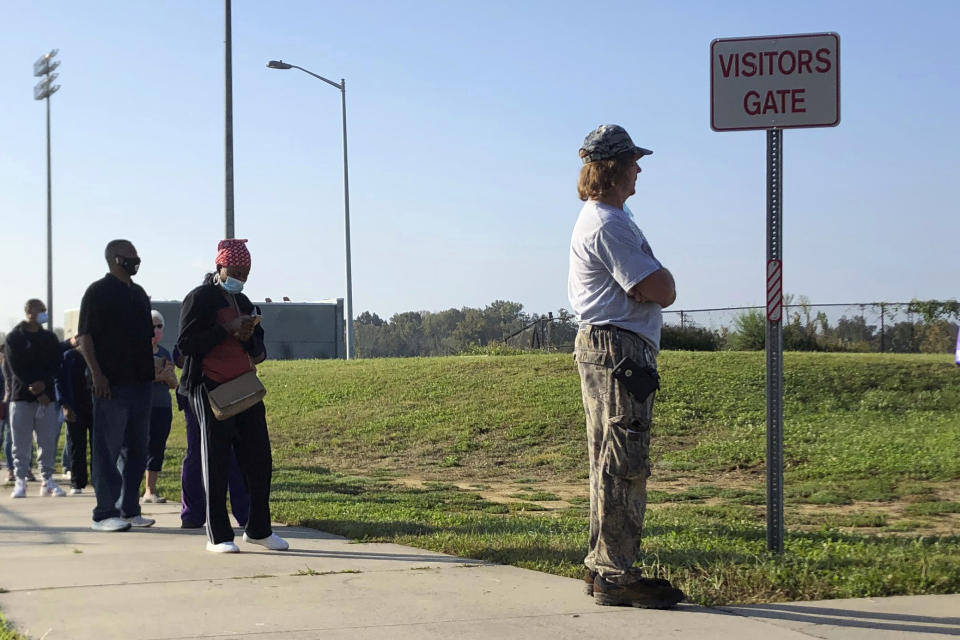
<point x="643" y="593"/>
<point x="185" y="524"/>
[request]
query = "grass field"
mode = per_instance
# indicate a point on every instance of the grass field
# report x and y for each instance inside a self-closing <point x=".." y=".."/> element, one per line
<point x="484" y="457"/>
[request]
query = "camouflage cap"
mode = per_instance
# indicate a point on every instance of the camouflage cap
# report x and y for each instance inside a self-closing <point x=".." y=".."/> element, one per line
<point x="608" y="141"/>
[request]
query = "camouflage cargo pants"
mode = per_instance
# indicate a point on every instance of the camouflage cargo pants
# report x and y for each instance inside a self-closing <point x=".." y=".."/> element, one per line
<point x="618" y="441"/>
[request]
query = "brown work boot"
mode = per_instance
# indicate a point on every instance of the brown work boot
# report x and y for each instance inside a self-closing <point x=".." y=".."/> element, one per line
<point x="588" y="577"/>
<point x="643" y="593"/>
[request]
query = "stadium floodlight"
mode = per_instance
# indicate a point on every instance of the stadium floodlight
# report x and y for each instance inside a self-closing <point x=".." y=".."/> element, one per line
<point x="44" y="66"/>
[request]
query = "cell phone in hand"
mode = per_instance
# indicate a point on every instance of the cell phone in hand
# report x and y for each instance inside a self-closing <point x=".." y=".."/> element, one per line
<point x="639" y="381"/>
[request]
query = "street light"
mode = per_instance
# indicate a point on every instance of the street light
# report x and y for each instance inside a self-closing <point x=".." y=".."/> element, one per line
<point x="44" y="66"/>
<point x="342" y="86"/>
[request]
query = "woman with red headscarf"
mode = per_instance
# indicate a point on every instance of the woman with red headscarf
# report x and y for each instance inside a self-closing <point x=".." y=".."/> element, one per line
<point x="221" y="340"/>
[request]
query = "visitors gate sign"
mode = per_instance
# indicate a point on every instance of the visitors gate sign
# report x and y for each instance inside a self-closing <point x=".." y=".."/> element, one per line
<point x="778" y="82"/>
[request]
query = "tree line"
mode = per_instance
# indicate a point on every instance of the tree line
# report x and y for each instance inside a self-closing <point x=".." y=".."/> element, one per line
<point x="503" y="326"/>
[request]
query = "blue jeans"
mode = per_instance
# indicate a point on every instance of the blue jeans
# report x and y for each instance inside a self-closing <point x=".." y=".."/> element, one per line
<point x="120" y="422"/>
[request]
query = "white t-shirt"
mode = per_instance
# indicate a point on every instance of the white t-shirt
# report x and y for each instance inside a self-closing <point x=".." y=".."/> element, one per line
<point x="608" y="256"/>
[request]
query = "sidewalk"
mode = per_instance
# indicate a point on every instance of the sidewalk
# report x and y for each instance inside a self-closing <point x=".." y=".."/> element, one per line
<point x="61" y="580"/>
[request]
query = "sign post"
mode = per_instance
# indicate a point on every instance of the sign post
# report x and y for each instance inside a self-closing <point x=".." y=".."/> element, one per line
<point x="775" y="83"/>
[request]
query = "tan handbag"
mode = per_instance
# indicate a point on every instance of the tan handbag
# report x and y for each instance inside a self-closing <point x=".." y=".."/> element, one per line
<point x="236" y="396"/>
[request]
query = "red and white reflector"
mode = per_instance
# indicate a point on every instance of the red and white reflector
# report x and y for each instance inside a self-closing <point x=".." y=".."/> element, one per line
<point x="774" y="290"/>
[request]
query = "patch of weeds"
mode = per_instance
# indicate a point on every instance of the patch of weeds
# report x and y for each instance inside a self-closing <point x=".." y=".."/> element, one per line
<point x="829" y="497"/>
<point x="480" y="487"/>
<point x="902" y="526"/>
<point x="78" y="550"/>
<point x="873" y="490"/>
<point x="496" y="507"/>
<point x="536" y="496"/>
<point x="749" y="497"/>
<point x="581" y="500"/>
<point x="525" y="506"/>
<point x="933" y="508"/>
<point x="866" y="519"/>
<point x="449" y="461"/>
<point x="434" y="485"/>
<point x="814" y="493"/>
<point x="915" y="489"/>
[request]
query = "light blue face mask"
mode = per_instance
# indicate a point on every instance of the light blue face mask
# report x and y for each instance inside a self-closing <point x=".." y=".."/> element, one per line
<point x="232" y="285"/>
<point x="43" y="317"/>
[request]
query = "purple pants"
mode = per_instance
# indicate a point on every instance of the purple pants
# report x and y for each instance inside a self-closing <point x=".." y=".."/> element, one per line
<point x="192" y="495"/>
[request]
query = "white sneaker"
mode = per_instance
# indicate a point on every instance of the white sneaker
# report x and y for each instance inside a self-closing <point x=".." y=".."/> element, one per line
<point x="50" y="488"/>
<point x="272" y="542"/>
<point x="75" y="491"/>
<point x="19" y="489"/>
<point x="140" y="521"/>
<point x="223" y="547"/>
<point x="110" y="524"/>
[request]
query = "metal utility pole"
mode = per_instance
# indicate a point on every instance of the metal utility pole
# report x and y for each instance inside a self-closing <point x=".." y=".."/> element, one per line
<point x="44" y="66"/>
<point x="774" y="340"/>
<point x="228" y="123"/>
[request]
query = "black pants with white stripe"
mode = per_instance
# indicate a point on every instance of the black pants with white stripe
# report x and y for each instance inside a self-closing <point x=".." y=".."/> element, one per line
<point x="246" y="434"/>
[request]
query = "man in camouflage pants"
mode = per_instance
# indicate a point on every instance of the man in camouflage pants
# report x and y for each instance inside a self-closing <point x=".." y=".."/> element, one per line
<point x="618" y="289"/>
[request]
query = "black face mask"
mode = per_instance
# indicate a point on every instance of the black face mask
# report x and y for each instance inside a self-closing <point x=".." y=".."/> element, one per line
<point x="130" y="265"/>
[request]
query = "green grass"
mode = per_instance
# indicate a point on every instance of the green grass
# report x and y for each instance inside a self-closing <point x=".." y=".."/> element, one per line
<point x="861" y="432"/>
<point x="7" y="632"/>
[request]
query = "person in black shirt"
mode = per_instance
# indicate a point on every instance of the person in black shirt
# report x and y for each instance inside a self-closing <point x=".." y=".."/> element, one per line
<point x="76" y="401"/>
<point x="33" y="358"/>
<point x="115" y="332"/>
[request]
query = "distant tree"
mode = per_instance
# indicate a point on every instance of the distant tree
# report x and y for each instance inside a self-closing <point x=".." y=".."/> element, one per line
<point x="939" y="336"/>
<point x="689" y="338"/>
<point x="855" y="330"/>
<point x="749" y="331"/>
<point x="368" y="318"/>
<point x="931" y="310"/>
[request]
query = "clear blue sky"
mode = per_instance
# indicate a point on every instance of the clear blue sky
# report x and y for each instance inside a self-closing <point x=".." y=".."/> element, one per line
<point x="464" y="124"/>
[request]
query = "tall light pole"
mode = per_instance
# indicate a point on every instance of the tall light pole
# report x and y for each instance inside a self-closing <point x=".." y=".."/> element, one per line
<point x="342" y="86"/>
<point x="228" y="122"/>
<point x="44" y="66"/>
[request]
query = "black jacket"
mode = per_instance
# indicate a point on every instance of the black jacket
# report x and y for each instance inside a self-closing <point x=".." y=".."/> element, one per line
<point x="200" y="332"/>
<point x="32" y="357"/>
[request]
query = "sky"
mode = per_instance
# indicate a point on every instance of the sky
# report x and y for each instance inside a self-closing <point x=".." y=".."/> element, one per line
<point x="464" y="121"/>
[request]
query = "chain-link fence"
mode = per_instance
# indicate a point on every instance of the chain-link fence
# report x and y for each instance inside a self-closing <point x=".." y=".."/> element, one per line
<point x="888" y="327"/>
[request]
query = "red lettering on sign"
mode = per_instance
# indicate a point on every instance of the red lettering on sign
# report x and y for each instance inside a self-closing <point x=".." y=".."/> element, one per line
<point x="769" y="55"/>
<point x="726" y="68"/>
<point x="823" y="57"/>
<point x="797" y="101"/>
<point x="787" y="70"/>
<point x="749" y="64"/>
<point x="775" y="102"/>
<point x="804" y="57"/>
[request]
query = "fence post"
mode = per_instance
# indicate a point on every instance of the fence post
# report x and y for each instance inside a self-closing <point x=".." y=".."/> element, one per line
<point x="883" y="309"/>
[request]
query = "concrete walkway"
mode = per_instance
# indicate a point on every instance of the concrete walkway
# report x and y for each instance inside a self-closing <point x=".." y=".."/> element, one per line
<point x="61" y="580"/>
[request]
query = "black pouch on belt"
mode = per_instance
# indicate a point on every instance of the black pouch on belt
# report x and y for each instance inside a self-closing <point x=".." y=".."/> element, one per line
<point x="638" y="380"/>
